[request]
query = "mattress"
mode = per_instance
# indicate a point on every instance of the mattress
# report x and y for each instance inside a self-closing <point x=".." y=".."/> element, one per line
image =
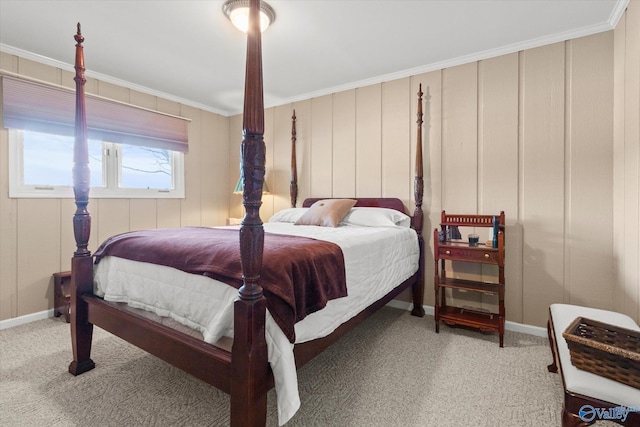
<point x="377" y="259"/>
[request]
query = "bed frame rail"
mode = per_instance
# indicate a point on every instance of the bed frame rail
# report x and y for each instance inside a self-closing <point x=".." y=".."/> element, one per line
<point x="306" y="351"/>
<point x="192" y="355"/>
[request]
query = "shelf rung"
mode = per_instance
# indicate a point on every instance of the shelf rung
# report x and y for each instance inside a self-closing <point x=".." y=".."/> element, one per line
<point x="471" y="285"/>
<point x="472" y="318"/>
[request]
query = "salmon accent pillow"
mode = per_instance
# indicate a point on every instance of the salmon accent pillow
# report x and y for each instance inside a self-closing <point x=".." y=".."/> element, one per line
<point x="327" y="212"/>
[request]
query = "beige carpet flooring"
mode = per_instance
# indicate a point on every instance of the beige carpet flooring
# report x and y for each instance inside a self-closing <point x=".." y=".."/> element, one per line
<point x="393" y="370"/>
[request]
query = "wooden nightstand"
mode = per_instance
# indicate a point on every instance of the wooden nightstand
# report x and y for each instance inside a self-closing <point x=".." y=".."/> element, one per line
<point x="61" y="292"/>
<point x="462" y="252"/>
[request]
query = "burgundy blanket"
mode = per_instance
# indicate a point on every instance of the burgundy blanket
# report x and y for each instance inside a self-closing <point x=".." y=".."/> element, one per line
<point x="299" y="275"/>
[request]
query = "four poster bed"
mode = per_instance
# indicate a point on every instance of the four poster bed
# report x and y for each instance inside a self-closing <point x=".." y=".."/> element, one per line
<point x="260" y="324"/>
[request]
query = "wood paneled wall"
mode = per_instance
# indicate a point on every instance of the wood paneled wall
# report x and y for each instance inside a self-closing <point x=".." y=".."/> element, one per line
<point x="549" y="135"/>
<point x="36" y="235"/>
<point x="625" y="273"/>
<point x="530" y="133"/>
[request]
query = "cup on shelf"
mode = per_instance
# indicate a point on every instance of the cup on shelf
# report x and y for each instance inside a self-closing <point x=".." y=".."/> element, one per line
<point x="473" y="239"/>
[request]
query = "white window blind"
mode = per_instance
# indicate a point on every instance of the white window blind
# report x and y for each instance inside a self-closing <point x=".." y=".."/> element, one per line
<point x="49" y="109"/>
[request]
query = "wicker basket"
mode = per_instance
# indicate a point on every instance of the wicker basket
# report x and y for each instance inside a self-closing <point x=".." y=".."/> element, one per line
<point x="606" y="350"/>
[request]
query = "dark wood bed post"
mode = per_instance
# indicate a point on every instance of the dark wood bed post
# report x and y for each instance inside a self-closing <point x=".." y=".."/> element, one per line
<point x="417" y="220"/>
<point x="249" y="371"/>
<point x="82" y="261"/>
<point x="293" y="186"/>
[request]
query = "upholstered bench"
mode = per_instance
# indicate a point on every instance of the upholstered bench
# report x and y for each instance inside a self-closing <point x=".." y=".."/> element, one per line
<point x="589" y="397"/>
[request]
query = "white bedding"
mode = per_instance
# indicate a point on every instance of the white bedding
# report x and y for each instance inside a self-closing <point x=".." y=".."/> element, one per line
<point x="377" y="259"/>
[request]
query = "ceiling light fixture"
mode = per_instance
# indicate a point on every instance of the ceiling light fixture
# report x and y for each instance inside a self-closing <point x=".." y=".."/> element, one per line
<point x="238" y="13"/>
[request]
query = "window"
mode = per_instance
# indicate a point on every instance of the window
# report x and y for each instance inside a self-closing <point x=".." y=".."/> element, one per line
<point x="41" y="165"/>
<point x="133" y="152"/>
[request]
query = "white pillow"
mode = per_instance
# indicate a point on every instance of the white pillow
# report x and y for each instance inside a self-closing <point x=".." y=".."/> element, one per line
<point x="288" y="215"/>
<point x="377" y="217"/>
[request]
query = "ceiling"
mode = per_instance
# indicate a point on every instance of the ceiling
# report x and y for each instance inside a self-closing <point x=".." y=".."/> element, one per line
<point x="189" y="52"/>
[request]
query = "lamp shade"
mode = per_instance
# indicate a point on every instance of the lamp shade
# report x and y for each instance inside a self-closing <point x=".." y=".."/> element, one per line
<point x="240" y="188"/>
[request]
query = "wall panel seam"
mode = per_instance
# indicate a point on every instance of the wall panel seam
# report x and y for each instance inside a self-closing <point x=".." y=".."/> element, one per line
<point x="520" y="214"/>
<point x="566" y="232"/>
<point x="479" y="135"/>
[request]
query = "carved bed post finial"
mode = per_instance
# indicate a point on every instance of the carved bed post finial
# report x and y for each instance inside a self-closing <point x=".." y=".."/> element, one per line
<point x="293" y="187"/>
<point x="252" y="163"/>
<point x="418" y="179"/>
<point x="81" y="174"/>
<point x="417" y="221"/>
<point x="249" y="351"/>
<point x="82" y="261"/>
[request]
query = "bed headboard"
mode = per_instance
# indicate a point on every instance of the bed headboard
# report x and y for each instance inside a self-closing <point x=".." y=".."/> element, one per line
<point x="368" y="202"/>
<point x="417" y="218"/>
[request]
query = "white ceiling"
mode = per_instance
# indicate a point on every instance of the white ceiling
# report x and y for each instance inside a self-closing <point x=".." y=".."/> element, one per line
<point x="189" y="52"/>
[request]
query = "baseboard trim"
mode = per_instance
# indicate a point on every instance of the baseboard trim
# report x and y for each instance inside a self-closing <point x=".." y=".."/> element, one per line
<point x="27" y="318"/>
<point x="508" y="325"/>
<point x="525" y="329"/>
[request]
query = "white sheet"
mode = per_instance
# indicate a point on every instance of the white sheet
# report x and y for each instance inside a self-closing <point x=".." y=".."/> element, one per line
<point x="376" y="260"/>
